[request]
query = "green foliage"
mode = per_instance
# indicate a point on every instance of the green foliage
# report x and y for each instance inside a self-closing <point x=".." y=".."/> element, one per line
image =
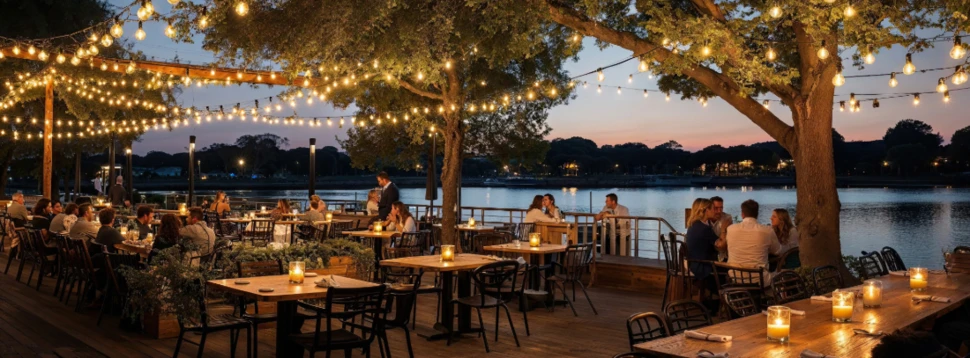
<point x="316" y="255"/>
<point x="960" y="146"/>
<point x="852" y="263"/>
<point x="911" y="131"/>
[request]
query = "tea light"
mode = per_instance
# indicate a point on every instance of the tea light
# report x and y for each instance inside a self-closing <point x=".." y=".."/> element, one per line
<point x="329" y="216"/>
<point x="471" y="222"/>
<point x="917" y="278"/>
<point x="182" y="208"/>
<point x="779" y="323"/>
<point x="872" y="293"/>
<point x="378" y="227"/>
<point x="123" y="231"/>
<point x="263" y="208"/>
<point x="295" y="212"/>
<point x="297" y="269"/>
<point x="149" y="237"/>
<point x="447" y="253"/>
<point x="100" y="201"/>
<point x="107" y="205"/>
<point x="842" y="305"/>
<point x="534" y="239"/>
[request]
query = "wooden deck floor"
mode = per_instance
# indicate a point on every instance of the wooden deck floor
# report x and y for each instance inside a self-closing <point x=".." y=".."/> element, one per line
<point x="36" y="320"/>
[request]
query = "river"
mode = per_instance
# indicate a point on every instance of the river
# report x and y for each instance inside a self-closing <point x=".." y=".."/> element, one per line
<point x="919" y="223"/>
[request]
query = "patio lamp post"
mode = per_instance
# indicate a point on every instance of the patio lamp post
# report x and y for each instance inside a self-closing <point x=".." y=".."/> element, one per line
<point x="313" y="166"/>
<point x="128" y="182"/>
<point x="242" y="167"/>
<point x="191" y="170"/>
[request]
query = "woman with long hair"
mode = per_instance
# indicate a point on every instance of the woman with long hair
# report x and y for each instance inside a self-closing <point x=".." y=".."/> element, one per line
<point x="373" y="197"/>
<point x="702" y="245"/>
<point x="400" y="219"/>
<point x="535" y="214"/>
<point x="168" y="233"/>
<point x="282" y="207"/>
<point x="220" y="205"/>
<point x="784" y="229"/>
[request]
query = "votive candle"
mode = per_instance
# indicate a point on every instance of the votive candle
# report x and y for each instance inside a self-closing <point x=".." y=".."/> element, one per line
<point x="471" y="222"/>
<point x="378" y="227"/>
<point x="447" y="253"/>
<point x="917" y="278"/>
<point x="535" y="239"/>
<point x="842" y="302"/>
<point x="872" y="293"/>
<point x="779" y="323"/>
<point x="329" y="216"/>
<point x="182" y="208"/>
<point x="297" y="269"/>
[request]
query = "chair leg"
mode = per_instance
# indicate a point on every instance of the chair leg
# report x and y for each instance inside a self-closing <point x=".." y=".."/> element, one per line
<point x="481" y="325"/>
<point x="583" y="287"/>
<point x="40" y="275"/>
<point x="105" y="303"/>
<point x="512" y="326"/>
<point x="10" y="256"/>
<point x="663" y="301"/>
<point x="233" y="339"/>
<point x="178" y="344"/>
<point x="496" y="324"/>
<point x="525" y="316"/>
<point x="250" y="342"/>
<point x="255" y="337"/>
<point x="57" y="283"/>
<point x="565" y="296"/>
<point x="407" y="338"/>
<point x="202" y="344"/>
<point x="20" y="267"/>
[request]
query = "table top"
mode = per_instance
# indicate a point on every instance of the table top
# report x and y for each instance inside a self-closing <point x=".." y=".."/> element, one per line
<point x="370" y="234"/>
<point x="462" y="262"/>
<point x="141" y="250"/>
<point x="477" y="227"/>
<point x="283" y="290"/>
<point x="817" y="331"/>
<point x="524" y="248"/>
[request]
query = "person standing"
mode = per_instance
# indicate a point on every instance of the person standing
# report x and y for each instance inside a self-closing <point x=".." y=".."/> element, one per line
<point x="617" y="230"/>
<point x="98" y="184"/>
<point x="389" y="195"/>
<point x="117" y="193"/>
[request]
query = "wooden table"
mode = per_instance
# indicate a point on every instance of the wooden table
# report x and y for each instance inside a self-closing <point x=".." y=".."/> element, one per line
<point x="462" y="264"/>
<point x="378" y="239"/>
<point x="817" y="331"/>
<point x="476" y="228"/>
<point x="140" y="250"/>
<point x="553" y="232"/>
<point x="285" y="294"/>
<point x="536" y="256"/>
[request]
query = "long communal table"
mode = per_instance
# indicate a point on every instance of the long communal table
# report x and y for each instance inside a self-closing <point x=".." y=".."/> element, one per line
<point x="817" y="331"/>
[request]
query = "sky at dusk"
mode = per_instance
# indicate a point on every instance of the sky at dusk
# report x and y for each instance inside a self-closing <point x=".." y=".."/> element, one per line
<point x="605" y="118"/>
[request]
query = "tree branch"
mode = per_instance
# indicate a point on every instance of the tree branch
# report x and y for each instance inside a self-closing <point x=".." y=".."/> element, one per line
<point x="716" y="82"/>
<point x="420" y="92"/>
<point x="711" y="9"/>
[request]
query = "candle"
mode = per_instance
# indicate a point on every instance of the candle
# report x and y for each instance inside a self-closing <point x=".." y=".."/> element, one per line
<point x="149" y="237"/>
<point x="378" y="227"/>
<point x="263" y="208"/>
<point x="842" y="305"/>
<point x="100" y="201"/>
<point x="296" y="271"/>
<point x="329" y="216"/>
<point x="471" y="222"/>
<point x="295" y="212"/>
<point x="917" y="278"/>
<point x="534" y="239"/>
<point x="872" y="293"/>
<point x="779" y="323"/>
<point x="123" y="231"/>
<point x="182" y="208"/>
<point x="447" y="253"/>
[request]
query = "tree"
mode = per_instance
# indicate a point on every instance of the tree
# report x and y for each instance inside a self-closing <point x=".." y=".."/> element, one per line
<point x="260" y="150"/>
<point x="424" y="63"/>
<point x="911" y="131"/>
<point x="960" y="147"/>
<point x="738" y="49"/>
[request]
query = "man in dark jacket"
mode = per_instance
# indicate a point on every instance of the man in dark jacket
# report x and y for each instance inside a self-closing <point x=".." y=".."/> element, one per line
<point x="117" y="193"/>
<point x="389" y="194"/>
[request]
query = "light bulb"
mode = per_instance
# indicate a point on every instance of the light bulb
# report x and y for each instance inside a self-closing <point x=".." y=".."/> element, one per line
<point x="599" y="88"/>
<point x="630" y="80"/>
<point x="916" y="99"/>
<point x="117" y="30"/>
<point x="619" y="91"/>
<point x="946" y="97"/>
<point x="173" y="2"/>
<point x="705" y="51"/>
<point x="765" y="103"/>
<point x="849" y="11"/>
<point x="958" y="51"/>
<point x="909" y="68"/>
<point x="667" y="97"/>
<point x="16" y="50"/>
<point x="140" y="33"/>
<point x="645" y="94"/>
<point x="420" y="76"/>
<point x="644" y="67"/>
<point x="823" y="53"/>
<point x="93" y="50"/>
<point x="851" y="99"/>
<point x="869" y="58"/>
<point x="61" y="58"/>
<point x="892" y="80"/>
<point x="169" y="30"/>
<point x="841" y="106"/>
<point x="75" y="61"/>
<point x="771" y="55"/>
<point x="242" y="8"/>
<point x="203" y="22"/>
<point x="775" y="11"/>
<point x="31" y="50"/>
<point x="149" y="7"/>
<point x="941" y="85"/>
<point x="838" y="80"/>
<point x="42" y="56"/>
<point x="599" y="75"/>
<point x="107" y="40"/>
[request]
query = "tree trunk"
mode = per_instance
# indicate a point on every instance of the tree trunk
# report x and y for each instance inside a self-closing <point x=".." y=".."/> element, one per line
<point x="450" y="177"/>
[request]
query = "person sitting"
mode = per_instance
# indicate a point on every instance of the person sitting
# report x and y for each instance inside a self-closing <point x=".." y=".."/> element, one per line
<point x="84" y="229"/>
<point x="322" y="207"/>
<point x="17" y="212"/>
<point x="784" y="230"/>
<point x="107" y="234"/>
<point x="40" y="221"/>
<point x="907" y="343"/>
<point x="549" y="204"/>
<point x="282" y="208"/>
<point x="62" y="223"/>
<point x="143" y="216"/>
<point x="220" y="205"/>
<point x="314" y="214"/>
<point x="748" y="242"/>
<point x="169" y="234"/>
<point x="702" y="245"/>
<point x="196" y="232"/>
<point x="56" y="208"/>
<point x="400" y="219"/>
<point x="372" y="199"/>
<point x="535" y="214"/>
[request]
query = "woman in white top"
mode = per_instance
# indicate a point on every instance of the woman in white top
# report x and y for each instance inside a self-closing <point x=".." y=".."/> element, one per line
<point x="535" y="214"/>
<point x="372" y="198"/>
<point x="400" y="219"/>
<point x="784" y="229"/>
<point x="549" y="203"/>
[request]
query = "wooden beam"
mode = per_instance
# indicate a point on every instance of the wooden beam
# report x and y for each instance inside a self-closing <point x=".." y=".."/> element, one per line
<point x="48" y="137"/>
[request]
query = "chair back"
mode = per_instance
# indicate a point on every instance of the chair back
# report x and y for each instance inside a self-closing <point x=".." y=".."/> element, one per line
<point x="435" y="243"/>
<point x="893" y="261"/>
<point x="788" y="260"/>
<point x="476" y="244"/>
<point x="259" y="268"/>
<point x="827" y="279"/>
<point x="576" y="261"/>
<point x="496" y="276"/>
<point x="789" y="286"/>
<point x="116" y="261"/>
<point x="674" y="253"/>
<point x="871" y="266"/>
<point x="403" y="284"/>
<point x="307" y="232"/>
<point x="337" y="228"/>
<point x="686" y="314"/>
<point x="957" y="262"/>
<point x="361" y="302"/>
<point x="740" y="302"/>
<point x="739" y="276"/>
<point x="523" y="230"/>
<point x="646" y="326"/>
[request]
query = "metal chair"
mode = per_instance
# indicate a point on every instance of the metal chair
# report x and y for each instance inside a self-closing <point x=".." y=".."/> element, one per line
<point x="475" y="244"/>
<point x="491" y="277"/>
<point x="253" y="269"/>
<point x="739" y="276"/>
<point x="788" y="286"/>
<point x="827" y="279"/>
<point x="523" y="230"/>
<point x="403" y="285"/>
<point x="117" y="285"/>
<point x="788" y="260"/>
<point x="206" y="324"/>
<point x="261" y="230"/>
<point x="365" y="302"/>
<point x="674" y="254"/>
<point x="740" y="302"/>
<point x="893" y="261"/>
<point x="337" y="229"/>
<point x="575" y="263"/>
<point x="871" y="266"/>
<point x="646" y="326"/>
<point x="686" y="314"/>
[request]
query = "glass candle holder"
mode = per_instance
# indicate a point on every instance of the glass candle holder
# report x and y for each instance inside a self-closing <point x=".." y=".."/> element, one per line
<point x="535" y="239"/>
<point x="329" y="216"/>
<point x="872" y="293"/>
<point x="779" y="324"/>
<point x="263" y="208"/>
<point x="471" y="222"/>
<point x="447" y="253"/>
<point x="378" y="227"/>
<point x="842" y="303"/>
<point x="182" y="208"/>
<point x="297" y="271"/>
<point x="295" y="211"/>
<point x="149" y="237"/>
<point x="917" y="278"/>
<point x="123" y="231"/>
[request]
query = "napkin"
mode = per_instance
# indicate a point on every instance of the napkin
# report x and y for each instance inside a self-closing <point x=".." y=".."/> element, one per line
<point x="521" y="261"/>
<point x="703" y="353"/>
<point x="931" y="298"/>
<point x="808" y="353"/>
<point x="707" y="336"/>
<point x="821" y="298"/>
<point x="327" y="282"/>
<point x="794" y="312"/>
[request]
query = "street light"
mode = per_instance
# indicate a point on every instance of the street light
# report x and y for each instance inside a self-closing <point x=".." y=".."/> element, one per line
<point x="128" y="182"/>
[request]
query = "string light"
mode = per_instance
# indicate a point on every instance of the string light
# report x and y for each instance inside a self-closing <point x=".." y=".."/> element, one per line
<point x="146" y="10"/>
<point x="852" y="100"/>
<point x="173" y="2"/>
<point x="771" y="55"/>
<point x="242" y="8"/>
<point x="839" y="79"/>
<point x="916" y="99"/>
<point x="869" y="58"/>
<point x="599" y="75"/>
<point x="117" y="30"/>
<point x="630" y="80"/>
<point x="775" y="11"/>
<point x="822" y="53"/>
<point x="909" y="68"/>
<point x="619" y="90"/>
<point x="841" y="106"/>
<point x="60" y="58"/>
<point x="42" y="56"/>
<point x="644" y="67"/>
<point x="599" y="88"/>
<point x="959" y="76"/>
<point x="875" y="103"/>
<point x="958" y="51"/>
<point x="204" y="18"/>
<point x="765" y="103"/>
<point x="169" y="30"/>
<point x="849" y="11"/>
<point x="667" y="97"/>
<point x="941" y="85"/>
<point x="645" y="94"/>
<point x="705" y="51"/>
<point x="946" y="96"/>
<point x="140" y="33"/>
<point x="892" y="80"/>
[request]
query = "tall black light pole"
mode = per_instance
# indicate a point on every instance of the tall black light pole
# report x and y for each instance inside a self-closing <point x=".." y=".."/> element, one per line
<point x="313" y="166"/>
<point x="431" y="183"/>
<point x="129" y="184"/>
<point x="191" y="201"/>
<point x="111" y="161"/>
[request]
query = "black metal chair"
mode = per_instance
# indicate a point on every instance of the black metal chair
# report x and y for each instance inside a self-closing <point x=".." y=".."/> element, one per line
<point x="686" y="314"/>
<point x="827" y="279"/>
<point x="575" y="263"/>
<point x="475" y="244"/>
<point x="893" y="261"/>
<point x="365" y="302"/>
<point x="740" y="302"/>
<point x="752" y="279"/>
<point x="523" y="230"/>
<point x="677" y="281"/>
<point x="491" y="277"/>
<point x="253" y="269"/>
<point x="402" y="294"/>
<point x="337" y="229"/>
<point x="646" y="326"/>
<point x="788" y="260"/>
<point x="206" y="324"/>
<point x="634" y="355"/>
<point x="871" y="265"/>
<point x="117" y="286"/>
<point x="789" y="286"/>
<point x="261" y="231"/>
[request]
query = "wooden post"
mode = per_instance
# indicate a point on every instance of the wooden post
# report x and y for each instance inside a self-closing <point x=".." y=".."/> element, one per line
<point x="191" y="201"/>
<point x="313" y="166"/>
<point x="48" y="138"/>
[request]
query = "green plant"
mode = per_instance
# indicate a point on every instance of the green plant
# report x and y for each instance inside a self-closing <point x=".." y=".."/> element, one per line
<point x="316" y="255"/>
<point x="852" y="263"/>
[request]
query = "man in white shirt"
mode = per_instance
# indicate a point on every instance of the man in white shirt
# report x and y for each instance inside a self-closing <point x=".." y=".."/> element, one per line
<point x="616" y="229"/>
<point x="196" y="231"/>
<point x="84" y="229"/>
<point x="748" y="242"/>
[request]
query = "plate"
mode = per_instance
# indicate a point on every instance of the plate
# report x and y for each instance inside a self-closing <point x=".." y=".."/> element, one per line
<point x="266" y="290"/>
<point x="310" y="274"/>
<point x="241" y="282"/>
